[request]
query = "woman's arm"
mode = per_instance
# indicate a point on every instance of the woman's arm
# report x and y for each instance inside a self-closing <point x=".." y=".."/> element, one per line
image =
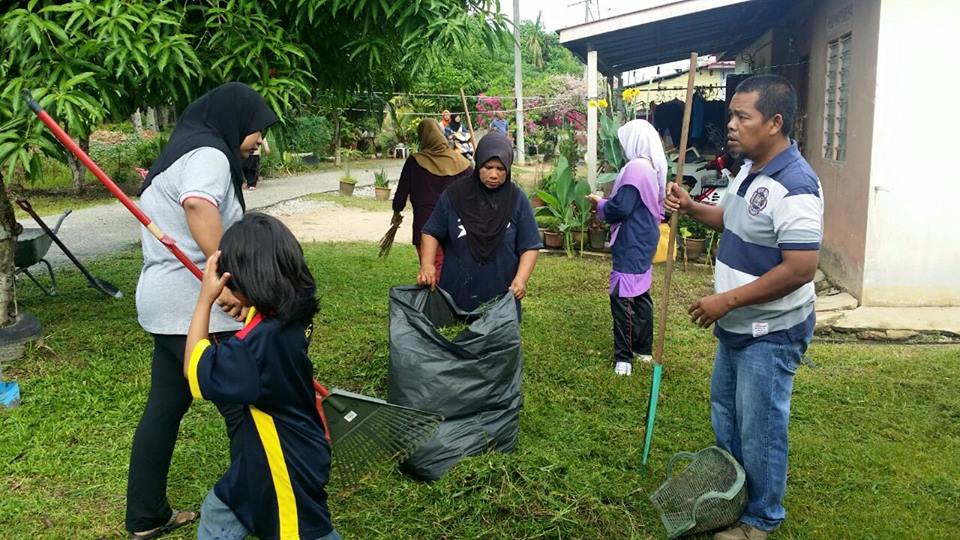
<point x="620" y="206"/>
<point x="428" y="253"/>
<point x="403" y="188"/>
<point x="203" y="219"/>
<point x="528" y="260"/>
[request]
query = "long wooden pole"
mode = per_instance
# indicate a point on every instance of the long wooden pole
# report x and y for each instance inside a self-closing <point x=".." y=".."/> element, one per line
<point x="671" y="255"/>
<point x="466" y="112"/>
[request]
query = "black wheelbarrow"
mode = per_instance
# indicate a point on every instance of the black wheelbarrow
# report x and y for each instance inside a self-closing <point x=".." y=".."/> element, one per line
<point x="37" y="246"/>
<point x="32" y="246"/>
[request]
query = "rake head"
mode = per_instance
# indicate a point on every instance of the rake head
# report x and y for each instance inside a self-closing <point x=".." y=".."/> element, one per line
<point x="366" y="432"/>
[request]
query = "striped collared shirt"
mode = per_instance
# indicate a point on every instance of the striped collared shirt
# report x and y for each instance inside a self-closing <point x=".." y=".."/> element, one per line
<point x="779" y="208"/>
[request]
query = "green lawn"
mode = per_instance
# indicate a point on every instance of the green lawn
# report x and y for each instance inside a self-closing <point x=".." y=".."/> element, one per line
<point x="874" y="436"/>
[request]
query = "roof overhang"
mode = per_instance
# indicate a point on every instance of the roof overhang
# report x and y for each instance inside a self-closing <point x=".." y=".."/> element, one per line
<point x="671" y="31"/>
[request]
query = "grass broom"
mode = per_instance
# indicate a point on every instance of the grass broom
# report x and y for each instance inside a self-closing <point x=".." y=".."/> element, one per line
<point x="387" y="241"/>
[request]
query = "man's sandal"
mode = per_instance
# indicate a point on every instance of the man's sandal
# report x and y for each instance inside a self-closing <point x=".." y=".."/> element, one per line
<point x="178" y="518"/>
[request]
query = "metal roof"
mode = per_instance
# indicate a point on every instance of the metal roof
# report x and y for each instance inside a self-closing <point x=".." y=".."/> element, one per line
<point x="672" y="31"/>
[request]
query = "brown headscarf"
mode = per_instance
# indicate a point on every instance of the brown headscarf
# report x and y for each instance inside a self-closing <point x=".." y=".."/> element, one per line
<point x="435" y="155"/>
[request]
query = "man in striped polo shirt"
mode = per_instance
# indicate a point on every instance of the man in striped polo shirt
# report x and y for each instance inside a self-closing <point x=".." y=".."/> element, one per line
<point x="763" y="309"/>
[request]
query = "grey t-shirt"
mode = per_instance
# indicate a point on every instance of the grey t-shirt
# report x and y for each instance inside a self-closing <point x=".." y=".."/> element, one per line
<point x="167" y="292"/>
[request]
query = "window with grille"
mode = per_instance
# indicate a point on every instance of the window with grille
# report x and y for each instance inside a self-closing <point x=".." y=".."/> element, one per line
<point x="837" y="98"/>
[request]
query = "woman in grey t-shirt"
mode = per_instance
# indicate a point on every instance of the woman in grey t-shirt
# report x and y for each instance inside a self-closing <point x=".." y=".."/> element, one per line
<point x="193" y="194"/>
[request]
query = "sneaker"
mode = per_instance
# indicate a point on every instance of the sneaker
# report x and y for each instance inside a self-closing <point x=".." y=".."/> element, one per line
<point x="741" y="531"/>
<point x="645" y="358"/>
<point x="9" y="394"/>
<point x="624" y="369"/>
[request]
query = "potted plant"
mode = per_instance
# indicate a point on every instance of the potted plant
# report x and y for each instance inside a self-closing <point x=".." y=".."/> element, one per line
<point x="552" y="238"/>
<point x="381" y="185"/>
<point x="567" y="202"/>
<point x="599" y="233"/>
<point x="347" y="182"/>
<point x="694" y="236"/>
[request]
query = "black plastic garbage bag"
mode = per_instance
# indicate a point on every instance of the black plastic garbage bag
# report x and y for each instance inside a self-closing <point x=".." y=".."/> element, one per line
<point x="473" y="380"/>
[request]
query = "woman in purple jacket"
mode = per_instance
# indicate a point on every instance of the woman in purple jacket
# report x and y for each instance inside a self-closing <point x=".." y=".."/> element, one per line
<point x="634" y="211"/>
<point x="425" y="176"/>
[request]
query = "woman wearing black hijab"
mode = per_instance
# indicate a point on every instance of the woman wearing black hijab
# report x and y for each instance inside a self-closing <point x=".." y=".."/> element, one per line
<point x="193" y="193"/>
<point x="486" y="227"/>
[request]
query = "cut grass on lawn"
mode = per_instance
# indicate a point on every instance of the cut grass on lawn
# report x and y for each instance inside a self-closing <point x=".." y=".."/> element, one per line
<point x="874" y="435"/>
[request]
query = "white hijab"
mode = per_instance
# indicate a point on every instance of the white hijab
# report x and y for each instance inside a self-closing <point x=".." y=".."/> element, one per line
<point x="640" y="139"/>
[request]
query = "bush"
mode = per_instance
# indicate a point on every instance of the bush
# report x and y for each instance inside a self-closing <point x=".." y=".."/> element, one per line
<point x="310" y="133"/>
<point x="120" y="160"/>
<point x="549" y="223"/>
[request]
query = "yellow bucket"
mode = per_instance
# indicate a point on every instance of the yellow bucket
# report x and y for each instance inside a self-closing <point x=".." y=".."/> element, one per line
<point x="661" y="255"/>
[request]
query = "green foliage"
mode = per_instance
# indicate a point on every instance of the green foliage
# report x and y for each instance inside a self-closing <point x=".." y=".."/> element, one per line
<point x="567" y="201"/>
<point x="380" y="179"/>
<point x="691" y="228"/>
<point x="309" y="133"/>
<point x="613" y="156"/>
<point x="85" y="62"/>
<point x="549" y="223"/>
<point x="89" y="60"/>
<point x="120" y="160"/>
<point x="569" y="148"/>
<point x="480" y="69"/>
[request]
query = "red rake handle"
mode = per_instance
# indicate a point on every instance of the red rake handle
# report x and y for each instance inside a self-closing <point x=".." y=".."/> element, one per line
<point x="75" y="149"/>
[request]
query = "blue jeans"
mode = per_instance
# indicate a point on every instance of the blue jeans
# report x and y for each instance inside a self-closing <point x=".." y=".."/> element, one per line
<point x="218" y="522"/>
<point x="750" y="411"/>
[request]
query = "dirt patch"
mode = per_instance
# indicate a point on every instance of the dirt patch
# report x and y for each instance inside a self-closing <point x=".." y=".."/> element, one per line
<point x="321" y="221"/>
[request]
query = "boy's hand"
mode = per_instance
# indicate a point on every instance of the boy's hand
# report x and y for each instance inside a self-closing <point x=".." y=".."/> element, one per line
<point x="212" y="283"/>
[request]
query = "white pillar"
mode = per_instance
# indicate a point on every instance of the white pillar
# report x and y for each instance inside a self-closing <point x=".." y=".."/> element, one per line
<point x="592" y="119"/>
<point x="518" y="81"/>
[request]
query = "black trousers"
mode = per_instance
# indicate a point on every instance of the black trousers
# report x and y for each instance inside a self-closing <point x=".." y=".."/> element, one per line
<point x="632" y="326"/>
<point x="251" y="170"/>
<point x="168" y="401"/>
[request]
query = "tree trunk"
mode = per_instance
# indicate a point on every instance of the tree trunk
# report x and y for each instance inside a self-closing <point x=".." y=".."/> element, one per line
<point x="336" y="138"/>
<point x="9" y="229"/>
<point x="77" y="171"/>
<point x="152" y="119"/>
<point x="137" y="120"/>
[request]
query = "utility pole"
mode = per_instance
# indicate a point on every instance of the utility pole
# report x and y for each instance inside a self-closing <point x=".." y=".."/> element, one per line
<point x="518" y="81"/>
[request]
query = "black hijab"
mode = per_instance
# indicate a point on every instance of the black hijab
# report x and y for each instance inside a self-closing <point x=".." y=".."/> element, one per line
<point x="221" y="119"/>
<point x="484" y="212"/>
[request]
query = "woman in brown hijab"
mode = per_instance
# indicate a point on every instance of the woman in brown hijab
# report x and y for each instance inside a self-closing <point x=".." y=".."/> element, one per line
<point x="425" y="176"/>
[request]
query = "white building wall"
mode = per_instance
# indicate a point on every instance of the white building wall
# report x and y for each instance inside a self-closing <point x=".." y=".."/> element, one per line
<point x="913" y="223"/>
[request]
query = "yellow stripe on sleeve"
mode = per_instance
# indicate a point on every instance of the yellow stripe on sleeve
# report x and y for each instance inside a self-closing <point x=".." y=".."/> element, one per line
<point x="286" y="502"/>
<point x="201" y="346"/>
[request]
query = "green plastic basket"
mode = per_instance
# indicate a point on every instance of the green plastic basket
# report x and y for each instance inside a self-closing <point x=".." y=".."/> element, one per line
<point x="708" y="494"/>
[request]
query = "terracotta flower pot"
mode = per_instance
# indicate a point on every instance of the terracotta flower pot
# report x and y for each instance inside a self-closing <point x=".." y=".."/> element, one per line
<point x="346" y="188"/>
<point x="552" y="240"/>
<point x="382" y="193"/>
<point x="694" y="247"/>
